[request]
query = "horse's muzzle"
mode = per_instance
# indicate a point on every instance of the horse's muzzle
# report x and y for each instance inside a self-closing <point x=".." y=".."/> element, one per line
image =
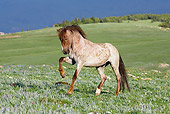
<point x="65" y="52"/>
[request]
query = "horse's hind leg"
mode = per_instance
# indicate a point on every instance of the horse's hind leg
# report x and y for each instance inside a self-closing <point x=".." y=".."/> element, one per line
<point x="103" y="79"/>
<point x="115" y="67"/>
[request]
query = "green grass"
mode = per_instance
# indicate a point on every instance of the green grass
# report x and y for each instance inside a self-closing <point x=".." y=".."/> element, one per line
<point x="33" y="47"/>
<point x="141" y="44"/>
<point x="28" y="86"/>
<point x="31" y="89"/>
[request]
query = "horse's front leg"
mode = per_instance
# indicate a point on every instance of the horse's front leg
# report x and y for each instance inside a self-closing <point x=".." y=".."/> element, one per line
<point x="67" y="60"/>
<point x="78" y="69"/>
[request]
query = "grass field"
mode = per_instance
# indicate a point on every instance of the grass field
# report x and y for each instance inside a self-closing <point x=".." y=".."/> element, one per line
<point x="31" y="89"/>
<point x="28" y="63"/>
<point x="141" y="44"/>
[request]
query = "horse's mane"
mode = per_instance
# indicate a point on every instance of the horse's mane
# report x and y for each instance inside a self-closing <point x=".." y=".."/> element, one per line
<point x="72" y="28"/>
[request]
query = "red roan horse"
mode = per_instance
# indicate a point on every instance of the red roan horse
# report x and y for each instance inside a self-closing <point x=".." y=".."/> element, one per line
<point x="86" y="53"/>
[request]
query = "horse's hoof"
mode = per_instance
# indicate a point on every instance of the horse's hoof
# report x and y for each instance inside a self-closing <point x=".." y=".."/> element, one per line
<point x="69" y="92"/>
<point x="98" y="91"/>
<point x="97" y="94"/>
<point x="116" y="94"/>
<point x="62" y="73"/>
<point x="63" y="76"/>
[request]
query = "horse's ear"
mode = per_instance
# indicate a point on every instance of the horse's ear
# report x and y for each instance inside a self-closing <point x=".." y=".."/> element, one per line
<point x="69" y="31"/>
<point x="59" y="30"/>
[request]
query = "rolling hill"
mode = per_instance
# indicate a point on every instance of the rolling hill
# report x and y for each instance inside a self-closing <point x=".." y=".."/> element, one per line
<point x="141" y="43"/>
<point x="29" y="63"/>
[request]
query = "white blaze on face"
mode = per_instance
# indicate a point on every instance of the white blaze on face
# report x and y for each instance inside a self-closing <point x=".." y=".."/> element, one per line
<point x="62" y="47"/>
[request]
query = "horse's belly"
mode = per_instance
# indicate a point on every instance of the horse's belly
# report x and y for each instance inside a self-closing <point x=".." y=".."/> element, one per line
<point x="92" y="63"/>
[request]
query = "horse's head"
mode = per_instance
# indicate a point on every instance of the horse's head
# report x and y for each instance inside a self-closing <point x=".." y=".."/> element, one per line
<point x="66" y="35"/>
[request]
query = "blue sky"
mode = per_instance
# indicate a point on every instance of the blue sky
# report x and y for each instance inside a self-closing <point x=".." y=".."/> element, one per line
<point x="35" y="14"/>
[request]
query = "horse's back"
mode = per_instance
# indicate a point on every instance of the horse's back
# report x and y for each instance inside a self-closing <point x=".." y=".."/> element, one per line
<point x="112" y="49"/>
<point x="96" y="54"/>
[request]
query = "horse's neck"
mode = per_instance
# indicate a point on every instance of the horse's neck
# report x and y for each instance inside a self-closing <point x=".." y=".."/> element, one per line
<point x="78" y="42"/>
<point x="79" y="47"/>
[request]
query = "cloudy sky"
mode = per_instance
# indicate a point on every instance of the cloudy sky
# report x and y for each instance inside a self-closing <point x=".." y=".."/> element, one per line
<point x="35" y="14"/>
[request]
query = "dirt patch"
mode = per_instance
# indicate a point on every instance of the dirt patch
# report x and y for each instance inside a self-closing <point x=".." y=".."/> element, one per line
<point x="146" y="78"/>
<point x="163" y="65"/>
<point x="164" y="29"/>
<point x="16" y="36"/>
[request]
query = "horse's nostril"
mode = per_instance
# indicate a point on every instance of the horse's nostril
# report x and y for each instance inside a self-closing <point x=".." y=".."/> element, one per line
<point x="64" y="52"/>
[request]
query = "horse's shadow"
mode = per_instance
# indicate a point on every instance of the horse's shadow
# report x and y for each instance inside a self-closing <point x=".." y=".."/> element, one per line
<point x="22" y="85"/>
<point x="17" y="84"/>
<point x="56" y="86"/>
<point x="92" y="91"/>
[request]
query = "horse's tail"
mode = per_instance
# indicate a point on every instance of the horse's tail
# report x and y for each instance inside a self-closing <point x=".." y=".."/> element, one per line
<point x="123" y="74"/>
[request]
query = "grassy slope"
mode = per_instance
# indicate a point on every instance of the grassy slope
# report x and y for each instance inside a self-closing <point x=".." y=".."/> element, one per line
<point x="33" y="47"/>
<point x="141" y="44"/>
<point x="32" y="89"/>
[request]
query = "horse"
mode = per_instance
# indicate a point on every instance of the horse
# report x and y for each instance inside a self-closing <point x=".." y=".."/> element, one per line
<point x="83" y="52"/>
